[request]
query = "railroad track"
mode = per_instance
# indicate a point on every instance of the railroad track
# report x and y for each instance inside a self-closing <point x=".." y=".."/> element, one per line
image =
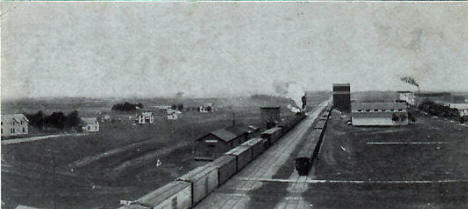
<point x="234" y="193"/>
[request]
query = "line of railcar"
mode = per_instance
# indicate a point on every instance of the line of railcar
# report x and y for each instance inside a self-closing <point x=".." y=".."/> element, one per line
<point x="191" y="188"/>
<point x="311" y="148"/>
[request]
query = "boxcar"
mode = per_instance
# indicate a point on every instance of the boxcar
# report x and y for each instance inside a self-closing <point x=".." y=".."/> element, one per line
<point x="272" y="135"/>
<point x="243" y="156"/>
<point x="257" y="146"/>
<point x="134" y="206"/>
<point x="226" y="166"/>
<point x="203" y="180"/>
<point x="175" y="195"/>
<point x="304" y="157"/>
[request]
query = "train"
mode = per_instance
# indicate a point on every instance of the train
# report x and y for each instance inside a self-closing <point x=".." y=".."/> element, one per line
<point x="192" y="187"/>
<point x="308" y="153"/>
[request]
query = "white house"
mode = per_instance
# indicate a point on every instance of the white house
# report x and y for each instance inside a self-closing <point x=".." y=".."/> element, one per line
<point x="14" y="125"/>
<point x="379" y="114"/>
<point x="90" y="124"/>
<point x="144" y="118"/>
<point x="408" y="97"/>
<point x="172" y="116"/>
<point x="207" y="107"/>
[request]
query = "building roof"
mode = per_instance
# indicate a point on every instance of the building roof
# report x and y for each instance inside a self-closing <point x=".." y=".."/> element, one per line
<point x="89" y="120"/>
<point x="270" y="107"/>
<point x="15" y="117"/>
<point x="341" y="84"/>
<point x="228" y="134"/>
<point x="377" y="105"/>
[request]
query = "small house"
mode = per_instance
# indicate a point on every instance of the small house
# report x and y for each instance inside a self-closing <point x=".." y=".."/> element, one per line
<point x="172" y="116"/>
<point x="216" y="143"/>
<point x="14" y="125"/>
<point x="90" y="124"/>
<point x="379" y="114"/>
<point x="144" y="118"/>
<point x="207" y="107"/>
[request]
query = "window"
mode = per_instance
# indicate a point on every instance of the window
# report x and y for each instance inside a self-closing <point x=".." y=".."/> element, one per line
<point x="211" y="145"/>
<point x="89" y="128"/>
<point x="376" y="110"/>
<point x="21" y="122"/>
<point x="400" y="110"/>
<point x="24" y="130"/>
<point x="368" y="110"/>
<point x="359" y="110"/>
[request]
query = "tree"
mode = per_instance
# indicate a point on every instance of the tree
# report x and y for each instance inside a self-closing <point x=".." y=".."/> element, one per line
<point x="72" y="120"/>
<point x="180" y="107"/>
<point x="56" y="119"/>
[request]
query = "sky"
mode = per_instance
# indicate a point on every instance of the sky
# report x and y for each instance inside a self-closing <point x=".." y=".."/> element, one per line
<point x="229" y="49"/>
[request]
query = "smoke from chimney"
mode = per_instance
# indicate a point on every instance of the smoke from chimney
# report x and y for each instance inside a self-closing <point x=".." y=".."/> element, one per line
<point x="293" y="91"/>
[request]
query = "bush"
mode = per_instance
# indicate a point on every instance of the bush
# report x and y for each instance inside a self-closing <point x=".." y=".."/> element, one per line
<point x="125" y="107"/>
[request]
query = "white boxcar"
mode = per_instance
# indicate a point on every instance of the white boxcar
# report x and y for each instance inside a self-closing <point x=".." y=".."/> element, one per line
<point x="175" y="195"/>
<point x="204" y="180"/>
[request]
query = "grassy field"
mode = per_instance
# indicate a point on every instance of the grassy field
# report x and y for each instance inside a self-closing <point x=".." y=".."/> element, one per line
<point x="431" y="149"/>
<point x="118" y="163"/>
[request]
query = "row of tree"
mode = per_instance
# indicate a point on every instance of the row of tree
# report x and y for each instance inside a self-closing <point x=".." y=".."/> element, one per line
<point x="55" y="120"/>
<point x="439" y="110"/>
<point x="125" y="107"/>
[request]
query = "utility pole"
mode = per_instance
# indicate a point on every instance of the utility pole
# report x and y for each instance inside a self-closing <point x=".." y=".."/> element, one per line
<point x="233" y="119"/>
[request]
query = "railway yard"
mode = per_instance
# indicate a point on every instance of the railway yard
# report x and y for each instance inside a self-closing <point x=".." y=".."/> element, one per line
<point x="418" y="166"/>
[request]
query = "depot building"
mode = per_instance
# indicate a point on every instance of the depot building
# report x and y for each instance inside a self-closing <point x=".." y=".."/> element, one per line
<point x="379" y="114"/>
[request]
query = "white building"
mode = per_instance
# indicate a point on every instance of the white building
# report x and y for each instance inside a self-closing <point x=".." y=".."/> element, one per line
<point x="90" y="124"/>
<point x="379" y="114"/>
<point x="408" y="97"/>
<point x="144" y="118"/>
<point x="172" y="116"/>
<point x="207" y="107"/>
<point x="14" y="125"/>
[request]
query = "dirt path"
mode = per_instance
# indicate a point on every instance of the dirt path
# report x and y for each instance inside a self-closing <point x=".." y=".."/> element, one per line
<point x="31" y="139"/>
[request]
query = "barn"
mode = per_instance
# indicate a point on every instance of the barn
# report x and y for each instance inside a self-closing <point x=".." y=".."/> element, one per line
<point x="216" y="143"/>
<point x="379" y="114"/>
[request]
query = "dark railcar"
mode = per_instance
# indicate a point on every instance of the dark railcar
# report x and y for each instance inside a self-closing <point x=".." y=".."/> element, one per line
<point x="176" y="195"/>
<point x="272" y="135"/>
<point x="257" y="146"/>
<point x="308" y="153"/>
<point x="203" y="181"/>
<point x="243" y="156"/>
<point x="226" y="166"/>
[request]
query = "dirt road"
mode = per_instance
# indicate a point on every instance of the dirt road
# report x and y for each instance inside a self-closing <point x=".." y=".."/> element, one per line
<point x="31" y="139"/>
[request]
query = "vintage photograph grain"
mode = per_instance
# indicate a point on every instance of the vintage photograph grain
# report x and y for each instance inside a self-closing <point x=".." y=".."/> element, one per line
<point x="234" y="105"/>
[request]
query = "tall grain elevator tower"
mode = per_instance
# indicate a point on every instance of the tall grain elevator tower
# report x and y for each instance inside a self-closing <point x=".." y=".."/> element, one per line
<point x="342" y="97"/>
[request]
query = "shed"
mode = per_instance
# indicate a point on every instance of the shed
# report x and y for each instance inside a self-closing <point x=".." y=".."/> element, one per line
<point x="379" y="114"/>
<point x="216" y="143"/>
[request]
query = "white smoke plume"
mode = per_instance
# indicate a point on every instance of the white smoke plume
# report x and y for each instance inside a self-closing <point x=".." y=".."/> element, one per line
<point x="291" y="90"/>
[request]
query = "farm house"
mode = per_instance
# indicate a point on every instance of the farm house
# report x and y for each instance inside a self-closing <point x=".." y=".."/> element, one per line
<point x="90" y="124"/>
<point x="14" y="124"/>
<point x="144" y="118"/>
<point x="216" y="143"/>
<point x="379" y="114"/>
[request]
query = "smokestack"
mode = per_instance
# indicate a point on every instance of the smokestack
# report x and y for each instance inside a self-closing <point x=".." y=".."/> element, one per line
<point x="304" y="101"/>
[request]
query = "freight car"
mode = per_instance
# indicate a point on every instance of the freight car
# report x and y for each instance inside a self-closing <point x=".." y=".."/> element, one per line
<point x="226" y="167"/>
<point x="243" y="155"/>
<point x="191" y="188"/>
<point x="203" y="180"/>
<point x="309" y="152"/>
<point x="272" y="135"/>
<point x="257" y="145"/>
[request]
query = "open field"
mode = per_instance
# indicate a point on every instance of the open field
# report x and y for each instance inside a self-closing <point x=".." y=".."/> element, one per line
<point x="118" y="163"/>
<point x="431" y="149"/>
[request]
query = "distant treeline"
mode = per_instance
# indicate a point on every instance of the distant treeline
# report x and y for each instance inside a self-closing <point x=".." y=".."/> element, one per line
<point x="55" y="120"/>
<point x="126" y="106"/>
<point x="439" y="110"/>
